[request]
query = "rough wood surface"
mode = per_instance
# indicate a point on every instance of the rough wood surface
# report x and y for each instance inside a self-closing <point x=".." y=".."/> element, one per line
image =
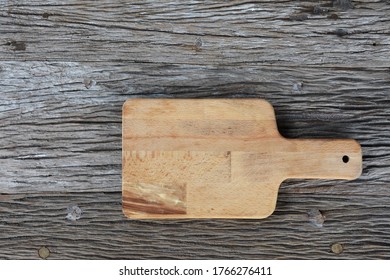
<point x="67" y="67"/>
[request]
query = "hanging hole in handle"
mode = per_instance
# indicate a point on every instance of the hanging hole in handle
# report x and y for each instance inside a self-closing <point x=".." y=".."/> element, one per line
<point x="345" y="159"/>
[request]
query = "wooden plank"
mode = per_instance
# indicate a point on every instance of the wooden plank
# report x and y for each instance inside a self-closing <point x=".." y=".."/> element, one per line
<point x="201" y="33"/>
<point x="304" y="226"/>
<point x="55" y="136"/>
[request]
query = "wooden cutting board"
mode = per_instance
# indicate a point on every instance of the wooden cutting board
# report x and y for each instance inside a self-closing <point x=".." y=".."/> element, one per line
<point x="217" y="158"/>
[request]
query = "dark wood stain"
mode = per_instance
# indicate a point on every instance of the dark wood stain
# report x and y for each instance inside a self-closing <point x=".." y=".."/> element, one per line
<point x="344" y="5"/>
<point x="148" y="199"/>
<point x="17" y="45"/>
<point x="333" y="16"/>
<point x="128" y="204"/>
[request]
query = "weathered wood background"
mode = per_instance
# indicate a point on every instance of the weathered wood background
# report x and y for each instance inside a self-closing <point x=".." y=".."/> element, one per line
<point x="66" y="67"/>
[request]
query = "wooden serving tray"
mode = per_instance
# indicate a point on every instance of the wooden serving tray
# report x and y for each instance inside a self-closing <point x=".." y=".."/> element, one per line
<point x="217" y="158"/>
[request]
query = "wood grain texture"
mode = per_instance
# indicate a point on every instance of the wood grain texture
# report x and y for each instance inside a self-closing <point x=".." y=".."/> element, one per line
<point x="226" y="155"/>
<point x="67" y="67"/>
<point x="360" y="223"/>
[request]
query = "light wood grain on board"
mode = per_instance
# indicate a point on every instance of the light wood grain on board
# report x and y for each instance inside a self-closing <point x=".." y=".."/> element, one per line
<point x="220" y="173"/>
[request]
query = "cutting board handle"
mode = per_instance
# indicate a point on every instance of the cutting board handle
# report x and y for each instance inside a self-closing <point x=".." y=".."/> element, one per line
<point x="323" y="159"/>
